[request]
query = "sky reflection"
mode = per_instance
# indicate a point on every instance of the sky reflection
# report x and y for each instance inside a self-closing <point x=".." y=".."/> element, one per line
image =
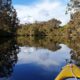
<point x="39" y="63"/>
<point x="42" y="56"/>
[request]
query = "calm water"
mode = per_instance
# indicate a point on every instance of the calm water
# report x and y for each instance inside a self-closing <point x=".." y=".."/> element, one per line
<point x="28" y="62"/>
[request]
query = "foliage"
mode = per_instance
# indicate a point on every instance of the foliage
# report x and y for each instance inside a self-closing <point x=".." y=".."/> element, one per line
<point x="8" y="17"/>
<point x="73" y="6"/>
<point x="40" y="28"/>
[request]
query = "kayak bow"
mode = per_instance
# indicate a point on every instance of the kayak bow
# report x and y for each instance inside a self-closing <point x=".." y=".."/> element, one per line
<point x="69" y="71"/>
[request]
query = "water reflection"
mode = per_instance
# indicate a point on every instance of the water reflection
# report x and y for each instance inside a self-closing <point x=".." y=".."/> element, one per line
<point x="43" y="56"/>
<point x="74" y="44"/>
<point x="8" y="57"/>
<point x="40" y="59"/>
<point x="52" y="43"/>
<point x="39" y="63"/>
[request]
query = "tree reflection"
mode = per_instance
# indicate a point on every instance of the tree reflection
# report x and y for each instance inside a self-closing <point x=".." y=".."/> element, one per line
<point x="49" y="43"/>
<point x="74" y="44"/>
<point x="8" y="57"/>
<point x="52" y="43"/>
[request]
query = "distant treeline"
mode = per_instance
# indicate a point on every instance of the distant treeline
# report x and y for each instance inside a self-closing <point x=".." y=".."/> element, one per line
<point x="51" y="28"/>
<point x="48" y="28"/>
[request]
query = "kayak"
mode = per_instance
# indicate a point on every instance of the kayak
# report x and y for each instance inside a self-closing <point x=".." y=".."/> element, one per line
<point x="69" y="72"/>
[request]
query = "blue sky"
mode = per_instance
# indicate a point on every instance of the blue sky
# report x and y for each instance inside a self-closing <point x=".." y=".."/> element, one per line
<point x="25" y="2"/>
<point x="29" y="11"/>
<point x="30" y="2"/>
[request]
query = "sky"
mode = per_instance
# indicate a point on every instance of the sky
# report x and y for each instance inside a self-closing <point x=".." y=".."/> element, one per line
<point x="29" y="11"/>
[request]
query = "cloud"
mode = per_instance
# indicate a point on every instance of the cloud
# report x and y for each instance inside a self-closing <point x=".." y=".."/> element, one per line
<point x="43" y="11"/>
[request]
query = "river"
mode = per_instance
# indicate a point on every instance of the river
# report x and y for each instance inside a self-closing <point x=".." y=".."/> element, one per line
<point x="28" y="59"/>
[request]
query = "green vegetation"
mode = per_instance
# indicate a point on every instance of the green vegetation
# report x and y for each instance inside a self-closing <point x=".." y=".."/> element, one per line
<point x="8" y="18"/>
<point x="39" y="28"/>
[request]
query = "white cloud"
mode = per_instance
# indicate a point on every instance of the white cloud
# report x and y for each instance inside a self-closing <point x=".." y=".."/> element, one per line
<point x="43" y="11"/>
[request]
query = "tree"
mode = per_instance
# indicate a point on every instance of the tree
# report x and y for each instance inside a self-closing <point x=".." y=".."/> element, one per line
<point x="8" y="16"/>
<point x="73" y="6"/>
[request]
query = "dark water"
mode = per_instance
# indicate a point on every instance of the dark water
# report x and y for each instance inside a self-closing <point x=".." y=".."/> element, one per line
<point x="24" y="59"/>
